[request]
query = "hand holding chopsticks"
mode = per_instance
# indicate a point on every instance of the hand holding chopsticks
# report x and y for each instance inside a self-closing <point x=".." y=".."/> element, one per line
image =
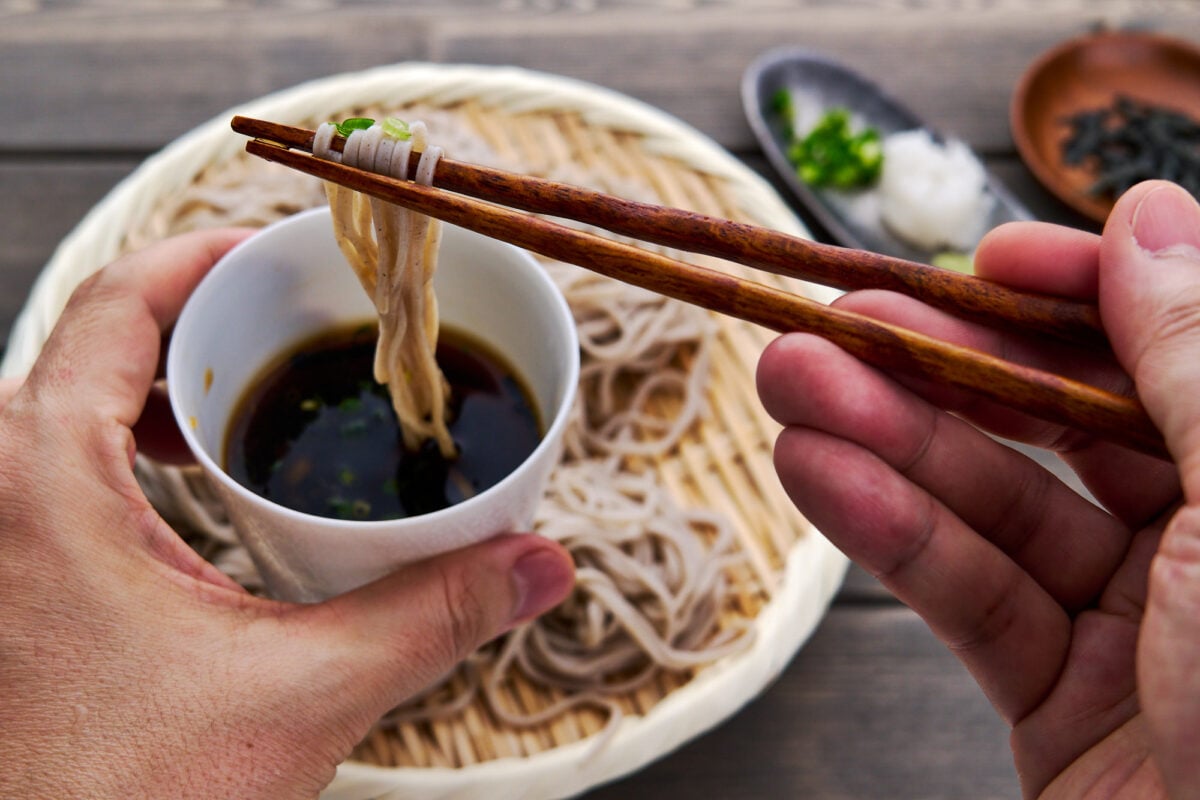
<point x="1041" y="394"/>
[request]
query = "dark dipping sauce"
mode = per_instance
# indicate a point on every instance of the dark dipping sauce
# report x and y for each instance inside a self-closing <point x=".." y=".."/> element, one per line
<point x="316" y="433"/>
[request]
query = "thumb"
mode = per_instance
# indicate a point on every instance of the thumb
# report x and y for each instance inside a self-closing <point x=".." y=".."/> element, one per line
<point x="397" y="635"/>
<point x="1150" y="302"/>
<point x="101" y="358"/>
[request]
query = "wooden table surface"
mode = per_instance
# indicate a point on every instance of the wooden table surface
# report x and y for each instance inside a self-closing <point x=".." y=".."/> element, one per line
<point x="872" y="706"/>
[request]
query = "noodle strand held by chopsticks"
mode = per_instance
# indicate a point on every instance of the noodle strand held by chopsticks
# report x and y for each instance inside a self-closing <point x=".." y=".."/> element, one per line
<point x="393" y="251"/>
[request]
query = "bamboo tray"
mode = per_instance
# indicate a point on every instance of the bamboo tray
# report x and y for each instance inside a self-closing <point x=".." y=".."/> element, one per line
<point x="574" y="131"/>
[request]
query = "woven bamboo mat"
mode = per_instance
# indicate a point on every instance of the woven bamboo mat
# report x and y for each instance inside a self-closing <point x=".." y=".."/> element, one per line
<point x="723" y="463"/>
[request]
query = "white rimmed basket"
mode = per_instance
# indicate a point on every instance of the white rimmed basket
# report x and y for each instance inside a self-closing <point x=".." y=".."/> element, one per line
<point x="725" y="463"/>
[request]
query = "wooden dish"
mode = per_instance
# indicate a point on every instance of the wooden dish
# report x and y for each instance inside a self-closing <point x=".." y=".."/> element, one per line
<point x="1087" y="73"/>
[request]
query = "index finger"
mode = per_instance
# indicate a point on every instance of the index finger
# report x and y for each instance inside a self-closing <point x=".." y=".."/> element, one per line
<point x="1041" y="257"/>
<point x="1056" y="260"/>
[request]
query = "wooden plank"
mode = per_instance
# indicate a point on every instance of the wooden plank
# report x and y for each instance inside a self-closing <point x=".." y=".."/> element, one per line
<point x="141" y="79"/>
<point x="579" y="8"/>
<point x="123" y="82"/>
<point x="872" y="707"/>
<point x="42" y="200"/>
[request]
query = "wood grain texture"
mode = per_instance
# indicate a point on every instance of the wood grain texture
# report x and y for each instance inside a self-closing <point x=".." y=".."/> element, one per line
<point x="142" y="79"/>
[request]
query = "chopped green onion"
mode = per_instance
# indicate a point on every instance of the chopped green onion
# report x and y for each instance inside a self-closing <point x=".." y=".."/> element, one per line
<point x="349" y="509"/>
<point x="346" y="476"/>
<point x="310" y="404"/>
<point x="353" y="428"/>
<point x="397" y="128"/>
<point x="339" y="506"/>
<point x="832" y="153"/>
<point x="781" y="104"/>
<point x="348" y="126"/>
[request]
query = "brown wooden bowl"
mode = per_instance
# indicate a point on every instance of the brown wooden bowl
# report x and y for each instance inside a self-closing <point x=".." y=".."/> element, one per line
<point x="1088" y="73"/>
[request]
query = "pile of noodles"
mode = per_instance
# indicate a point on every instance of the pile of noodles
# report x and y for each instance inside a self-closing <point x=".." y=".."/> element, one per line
<point x="652" y="576"/>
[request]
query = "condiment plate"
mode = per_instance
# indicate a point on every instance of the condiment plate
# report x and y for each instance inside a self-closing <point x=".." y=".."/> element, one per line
<point x="847" y="216"/>
<point x="1086" y="73"/>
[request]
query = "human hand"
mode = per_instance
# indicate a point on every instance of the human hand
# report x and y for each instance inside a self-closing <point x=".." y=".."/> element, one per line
<point x="1081" y="624"/>
<point x="129" y="667"/>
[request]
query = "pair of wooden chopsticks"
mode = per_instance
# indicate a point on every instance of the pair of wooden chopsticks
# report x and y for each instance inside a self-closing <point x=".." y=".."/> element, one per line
<point x="1041" y="394"/>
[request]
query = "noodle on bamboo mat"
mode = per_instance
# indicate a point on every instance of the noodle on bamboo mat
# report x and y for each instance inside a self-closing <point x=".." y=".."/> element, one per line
<point x="686" y="545"/>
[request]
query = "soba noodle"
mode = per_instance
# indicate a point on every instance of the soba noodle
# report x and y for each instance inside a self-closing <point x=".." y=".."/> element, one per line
<point x="650" y="588"/>
<point x="393" y="251"/>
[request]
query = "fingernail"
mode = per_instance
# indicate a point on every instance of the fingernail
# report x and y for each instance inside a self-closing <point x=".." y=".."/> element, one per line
<point x="1167" y="220"/>
<point x="542" y="579"/>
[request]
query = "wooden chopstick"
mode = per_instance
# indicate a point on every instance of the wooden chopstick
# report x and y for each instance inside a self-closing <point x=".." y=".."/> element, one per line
<point x="842" y="268"/>
<point x="1041" y="394"/>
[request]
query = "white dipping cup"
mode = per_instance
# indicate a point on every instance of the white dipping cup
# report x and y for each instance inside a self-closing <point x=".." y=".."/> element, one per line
<point x="288" y="282"/>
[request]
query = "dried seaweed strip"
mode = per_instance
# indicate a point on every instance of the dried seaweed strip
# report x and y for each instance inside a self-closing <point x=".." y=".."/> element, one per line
<point x="1131" y="141"/>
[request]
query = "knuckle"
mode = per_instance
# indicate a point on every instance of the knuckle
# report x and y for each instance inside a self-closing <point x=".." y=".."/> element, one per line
<point x="103" y="283"/>
<point x="1174" y="580"/>
<point x="1177" y="324"/>
<point x="465" y="614"/>
<point x="916" y="533"/>
<point x="990" y="623"/>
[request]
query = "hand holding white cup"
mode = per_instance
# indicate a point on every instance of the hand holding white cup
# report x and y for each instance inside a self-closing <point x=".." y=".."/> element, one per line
<point x="289" y="282"/>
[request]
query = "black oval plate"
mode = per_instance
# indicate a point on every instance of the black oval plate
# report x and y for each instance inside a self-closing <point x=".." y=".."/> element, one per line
<point x="802" y="70"/>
